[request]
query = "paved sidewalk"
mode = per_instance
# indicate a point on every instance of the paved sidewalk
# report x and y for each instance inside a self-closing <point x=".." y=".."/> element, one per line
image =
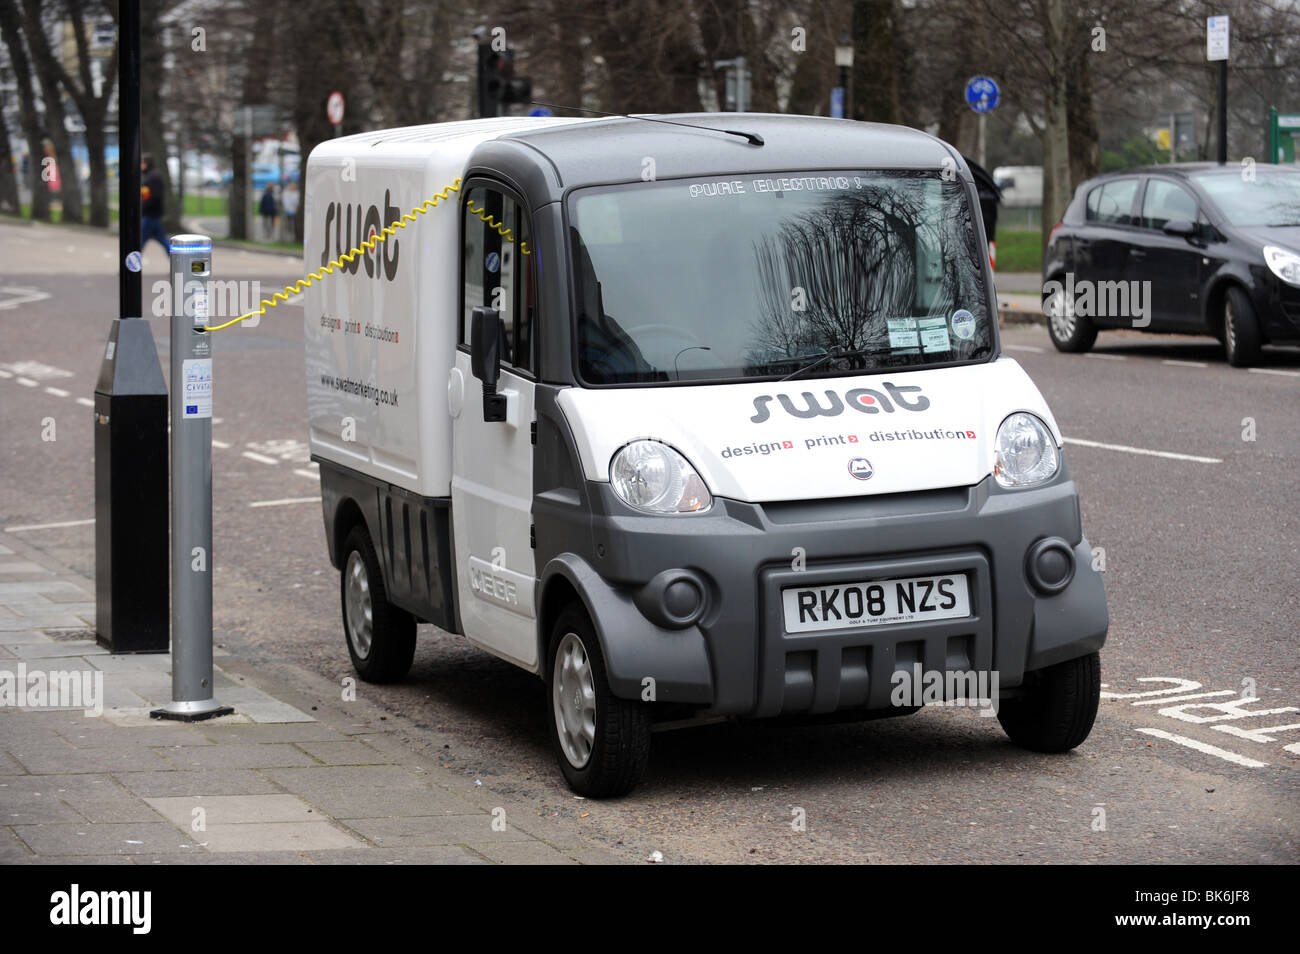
<point x="295" y="776"/>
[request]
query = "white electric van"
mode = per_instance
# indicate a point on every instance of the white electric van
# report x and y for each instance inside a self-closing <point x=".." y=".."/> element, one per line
<point x="691" y="416"/>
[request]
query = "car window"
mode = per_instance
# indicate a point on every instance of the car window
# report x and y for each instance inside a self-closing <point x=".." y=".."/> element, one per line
<point x="1112" y="202"/>
<point x="1166" y="202"/>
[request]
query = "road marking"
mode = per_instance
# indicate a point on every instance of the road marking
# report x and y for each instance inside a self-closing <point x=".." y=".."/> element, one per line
<point x="304" y="472"/>
<point x="1012" y="347"/>
<point x="260" y="458"/>
<point x="283" y="501"/>
<point x="57" y="392"/>
<point x="1167" y="700"/>
<point x="49" y="526"/>
<point x="27" y="382"/>
<point x="25" y="296"/>
<point x="221" y="444"/>
<point x="85" y="402"/>
<point x="1169" y="455"/>
<point x="1105" y="357"/>
<point x="1206" y="748"/>
<point x="1184" y="364"/>
<point x="6" y="374"/>
<point x="37" y="369"/>
<point x="1289" y="374"/>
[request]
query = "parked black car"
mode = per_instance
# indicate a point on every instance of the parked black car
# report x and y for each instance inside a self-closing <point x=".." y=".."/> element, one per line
<point x="1220" y="246"/>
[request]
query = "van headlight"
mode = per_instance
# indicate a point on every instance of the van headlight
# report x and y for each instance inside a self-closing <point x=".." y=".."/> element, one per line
<point x="1283" y="263"/>
<point x="1026" y="454"/>
<point x="651" y="476"/>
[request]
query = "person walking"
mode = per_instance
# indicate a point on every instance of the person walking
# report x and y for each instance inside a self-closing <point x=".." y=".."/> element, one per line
<point x="151" y="204"/>
<point x="266" y="209"/>
<point x="289" y="205"/>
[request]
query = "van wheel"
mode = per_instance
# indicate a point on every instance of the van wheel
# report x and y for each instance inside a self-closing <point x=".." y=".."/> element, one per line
<point x="381" y="636"/>
<point x="1240" y="329"/>
<point x="1069" y="332"/>
<point x="1058" y="707"/>
<point x="602" y="742"/>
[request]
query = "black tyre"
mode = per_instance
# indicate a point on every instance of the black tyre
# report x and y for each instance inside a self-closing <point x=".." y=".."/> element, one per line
<point x="1057" y="708"/>
<point x="381" y="636"/>
<point x="602" y="742"/>
<point x="1241" y="339"/>
<point x="1069" y="332"/>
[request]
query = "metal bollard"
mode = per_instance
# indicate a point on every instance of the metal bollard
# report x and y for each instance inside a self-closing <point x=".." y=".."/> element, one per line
<point x="191" y="452"/>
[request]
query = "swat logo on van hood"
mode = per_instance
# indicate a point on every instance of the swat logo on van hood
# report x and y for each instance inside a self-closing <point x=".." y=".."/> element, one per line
<point x="866" y="400"/>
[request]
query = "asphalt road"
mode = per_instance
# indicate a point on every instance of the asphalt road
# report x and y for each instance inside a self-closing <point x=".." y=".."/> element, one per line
<point x="1201" y="553"/>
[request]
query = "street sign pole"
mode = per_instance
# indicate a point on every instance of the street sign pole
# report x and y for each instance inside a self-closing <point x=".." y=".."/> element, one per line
<point x="1217" y="50"/>
<point x="130" y="415"/>
<point x="191" y="551"/>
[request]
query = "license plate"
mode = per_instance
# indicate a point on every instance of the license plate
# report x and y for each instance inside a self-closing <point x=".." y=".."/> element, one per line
<point x="875" y="603"/>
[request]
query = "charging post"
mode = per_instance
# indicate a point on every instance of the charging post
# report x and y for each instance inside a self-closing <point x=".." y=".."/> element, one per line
<point x="191" y="479"/>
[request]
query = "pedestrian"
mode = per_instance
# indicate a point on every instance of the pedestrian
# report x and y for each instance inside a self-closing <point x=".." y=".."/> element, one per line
<point x="289" y="204"/>
<point x="266" y="209"/>
<point x="151" y="204"/>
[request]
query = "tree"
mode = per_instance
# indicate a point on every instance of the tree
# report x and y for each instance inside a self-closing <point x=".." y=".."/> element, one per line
<point x="11" y="31"/>
<point x="8" y="181"/>
<point x="48" y="76"/>
<point x="93" y="107"/>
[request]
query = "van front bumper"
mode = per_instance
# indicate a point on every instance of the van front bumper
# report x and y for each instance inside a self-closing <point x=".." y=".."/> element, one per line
<point x="734" y="656"/>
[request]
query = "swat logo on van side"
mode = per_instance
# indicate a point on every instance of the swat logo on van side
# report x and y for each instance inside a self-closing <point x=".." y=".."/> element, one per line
<point x="866" y="400"/>
<point x="861" y="468"/>
<point x="349" y="236"/>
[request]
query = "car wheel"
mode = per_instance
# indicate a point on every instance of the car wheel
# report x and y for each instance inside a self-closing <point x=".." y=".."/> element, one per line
<point x="1069" y="332"/>
<point x="1240" y="329"/>
<point x="1057" y="706"/>
<point x="381" y="636"/>
<point x="602" y="742"/>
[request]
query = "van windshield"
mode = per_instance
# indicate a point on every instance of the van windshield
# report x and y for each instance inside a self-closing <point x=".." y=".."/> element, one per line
<point x="765" y="276"/>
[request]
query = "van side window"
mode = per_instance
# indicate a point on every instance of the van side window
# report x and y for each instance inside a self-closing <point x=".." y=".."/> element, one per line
<point x="498" y="270"/>
<point x="1164" y="202"/>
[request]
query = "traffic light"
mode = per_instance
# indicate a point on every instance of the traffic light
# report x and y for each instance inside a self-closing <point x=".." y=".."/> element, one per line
<point x="497" y="83"/>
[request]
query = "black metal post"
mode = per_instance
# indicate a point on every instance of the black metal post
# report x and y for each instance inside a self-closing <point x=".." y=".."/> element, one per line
<point x="131" y="545"/>
<point x="1223" y="112"/>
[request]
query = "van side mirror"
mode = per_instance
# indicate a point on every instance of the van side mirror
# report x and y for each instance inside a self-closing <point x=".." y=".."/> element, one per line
<point x="486" y="332"/>
<point x="1185" y="228"/>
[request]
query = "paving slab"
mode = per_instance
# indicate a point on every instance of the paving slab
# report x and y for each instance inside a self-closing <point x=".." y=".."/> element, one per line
<point x="233" y="809"/>
<point x="204" y="782"/>
<point x="346" y="753"/>
<point x="237" y="755"/>
<point x="292" y="732"/>
<point x="64" y="759"/>
<point x="520" y="853"/>
<point x="104" y="839"/>
<point x="349" y="791"/>
<point x="435" y="855"/>
<point x="272" y="836"/>
<point x="423" y="830"/>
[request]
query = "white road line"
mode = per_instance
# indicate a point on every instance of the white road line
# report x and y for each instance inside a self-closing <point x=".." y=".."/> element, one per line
<point x="1289" y="374"/>
<point x="283" y="501"/>
<point x="221" y="444"/>
<point x="1105" y="357"/>
<point x="260" y="458"/>
<point x="6" y="374"/>
<point x="49" y="526"/>
<point x="27" y="382"/>
<point x="1169" y="455"/>
<point x="25" y="296"/>
<point x="218" y="420"/>
<point x="1184" y="364"/>
<point x="1012" y="347"/>
<point x="85" y="402"/>
<point x="309" y="474"/>
<point x="1206" y="748"/>
<point x="57" y="392"/>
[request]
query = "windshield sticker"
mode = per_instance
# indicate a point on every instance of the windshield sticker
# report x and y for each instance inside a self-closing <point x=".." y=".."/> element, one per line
<point x="934" y="334"/>
<point x="796" y="184"/>
<point x="902" y="332"/>
<point x="963" y="324"/>
<point x="492" y="263"/>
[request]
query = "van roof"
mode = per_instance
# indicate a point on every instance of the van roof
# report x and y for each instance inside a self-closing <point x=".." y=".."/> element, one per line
<point x="611" y="149"/>
<point x="614" y="148"/>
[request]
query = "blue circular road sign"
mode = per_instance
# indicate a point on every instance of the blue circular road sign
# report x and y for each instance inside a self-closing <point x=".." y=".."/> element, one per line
<point x="540" y="111"/>
<point x="981" y="93"/>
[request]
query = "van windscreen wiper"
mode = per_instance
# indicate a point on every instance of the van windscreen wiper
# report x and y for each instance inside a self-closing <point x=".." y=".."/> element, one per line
<point x="827" y="356"/>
